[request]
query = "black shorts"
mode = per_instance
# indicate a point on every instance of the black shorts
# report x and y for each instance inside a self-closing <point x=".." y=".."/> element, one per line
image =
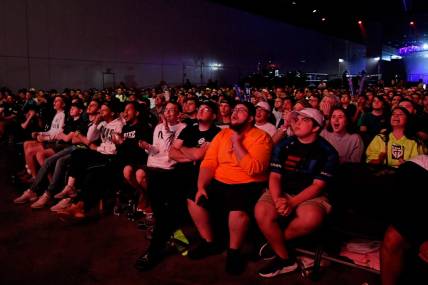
<point x="234" y="197"/>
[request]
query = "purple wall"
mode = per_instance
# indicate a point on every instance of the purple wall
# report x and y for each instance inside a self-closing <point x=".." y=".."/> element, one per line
<point x="70" y="43"/>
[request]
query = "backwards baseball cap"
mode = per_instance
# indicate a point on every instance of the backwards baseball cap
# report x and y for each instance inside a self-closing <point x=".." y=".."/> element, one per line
<point x="264" y="105"/>
<point x="311" y="113"/>
<point x="250" y="107"/>
<point x="211" y="105"/>
<point x="78" y="104"/>
<point x="228" y="100"/>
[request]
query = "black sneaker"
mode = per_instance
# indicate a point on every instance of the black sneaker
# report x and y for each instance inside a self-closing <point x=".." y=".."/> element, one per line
<point x="278" y="266"/>
<point x="235" y="264"/>
<point x="147" y="262"/>
<point x="204" y="249"/>
<point x="266" y="252"/>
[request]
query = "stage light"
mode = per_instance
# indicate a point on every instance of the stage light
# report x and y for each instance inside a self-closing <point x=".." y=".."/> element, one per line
<point x="360" y="22"/>
<point x="376" y="58"/>
<point x="341" y="60"/>
<point x="412" y="23"/>
<point x="216" y="66"/>
<point x="323" y="19"/>
<point x="425" y="46"/>
<point x="314" y="11"/>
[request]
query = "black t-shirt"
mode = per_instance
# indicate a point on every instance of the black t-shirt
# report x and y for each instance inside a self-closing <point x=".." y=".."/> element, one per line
<point x="374" y="124"/>
<point x="9" y="109"/>
<point x="189" y="121"/>
<point x="421" y="122"/>
<point x="299" y="164"/>
<point x="193" y="137"/>
<point x="350" y="110"/>
<point x="80" y="125"/>
<point x="129" y="152"/>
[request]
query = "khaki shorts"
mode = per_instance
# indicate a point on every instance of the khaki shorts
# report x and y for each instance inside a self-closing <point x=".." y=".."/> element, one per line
<point x="321" y="201"/>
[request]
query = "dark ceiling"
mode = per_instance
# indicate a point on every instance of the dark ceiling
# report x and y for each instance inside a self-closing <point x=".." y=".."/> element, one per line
<point x="388" y="20"/>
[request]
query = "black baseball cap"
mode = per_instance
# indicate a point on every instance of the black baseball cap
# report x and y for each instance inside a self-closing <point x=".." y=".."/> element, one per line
<point x="210" y="104"/>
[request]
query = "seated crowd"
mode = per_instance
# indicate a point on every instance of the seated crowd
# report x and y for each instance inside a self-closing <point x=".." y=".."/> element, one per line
<point x="267" y="163"/>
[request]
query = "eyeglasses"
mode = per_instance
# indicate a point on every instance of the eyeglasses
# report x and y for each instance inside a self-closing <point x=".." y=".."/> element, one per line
<point x="239" y="110"/>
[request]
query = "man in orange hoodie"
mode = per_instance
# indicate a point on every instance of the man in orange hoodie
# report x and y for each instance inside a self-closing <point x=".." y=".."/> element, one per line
<point x="232" y="176"/>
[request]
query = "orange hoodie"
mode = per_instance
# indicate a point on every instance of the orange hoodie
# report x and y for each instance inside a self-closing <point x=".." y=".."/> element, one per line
<point x="252" y="168"/>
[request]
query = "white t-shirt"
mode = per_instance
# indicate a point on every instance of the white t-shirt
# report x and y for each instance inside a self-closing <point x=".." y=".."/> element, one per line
<point x="268" y="128"/>
<point x="93" y="133"/>
<point x="278" y="116"/>
<point x="57" y="126"/>
<point x="107" y="130"/>
<point x="162" y="141"/>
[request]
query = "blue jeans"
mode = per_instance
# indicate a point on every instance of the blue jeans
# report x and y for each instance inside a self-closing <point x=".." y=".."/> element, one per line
<point x="57" y="163"/>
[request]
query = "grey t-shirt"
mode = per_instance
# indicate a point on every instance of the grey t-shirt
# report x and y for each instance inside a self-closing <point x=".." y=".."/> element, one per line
<point x="349" y="146"/>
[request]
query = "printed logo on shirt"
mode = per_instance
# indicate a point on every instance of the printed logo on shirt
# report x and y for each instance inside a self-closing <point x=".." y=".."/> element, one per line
<point x="56" y="124"/>
<point x="397" y="151"/>
<point x="129" y="135"/>
<point x="292" y="162"/>
<point x="275" y="165"/>
<point x="106" y="133"/>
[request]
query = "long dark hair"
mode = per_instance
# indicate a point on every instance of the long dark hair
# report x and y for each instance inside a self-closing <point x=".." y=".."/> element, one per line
<point x="350" y="128"/>
<point x="409" y="129"/>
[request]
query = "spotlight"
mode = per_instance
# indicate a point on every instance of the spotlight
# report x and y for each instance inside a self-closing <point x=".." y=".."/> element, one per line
<point x="323" y="19"/>
<point x="360" y="22"/>
<point x="412" y="23"/>
<point x="376" y="58"/>
<point x="425" y="46"/>
<point x="314" y="11"/>
<point x="341" y="60"/>
<point x="216" y="66"/>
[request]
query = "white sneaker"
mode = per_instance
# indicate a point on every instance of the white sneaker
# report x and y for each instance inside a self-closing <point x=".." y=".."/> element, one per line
<point x="67" y="191"/>
<point x="61" y="205"/>
<point x="27" y="196"/>
<point x="41" y="202"/>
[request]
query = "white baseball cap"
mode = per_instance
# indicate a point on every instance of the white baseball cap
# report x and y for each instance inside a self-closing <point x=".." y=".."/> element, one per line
<point x="264" y="105"/>
<point x="311" y="113"/>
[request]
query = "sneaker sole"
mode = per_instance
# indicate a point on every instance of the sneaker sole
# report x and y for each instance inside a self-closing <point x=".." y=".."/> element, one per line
<point x="68" y="216"/>
<point x="58" y="210"/>
<point x="287" y="269"/>
<point x="38" y="206"/>
<point x="26" y="201"/>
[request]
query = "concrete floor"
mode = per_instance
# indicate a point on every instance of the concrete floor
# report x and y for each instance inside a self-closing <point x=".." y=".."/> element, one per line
<point x="36" y="247"/>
